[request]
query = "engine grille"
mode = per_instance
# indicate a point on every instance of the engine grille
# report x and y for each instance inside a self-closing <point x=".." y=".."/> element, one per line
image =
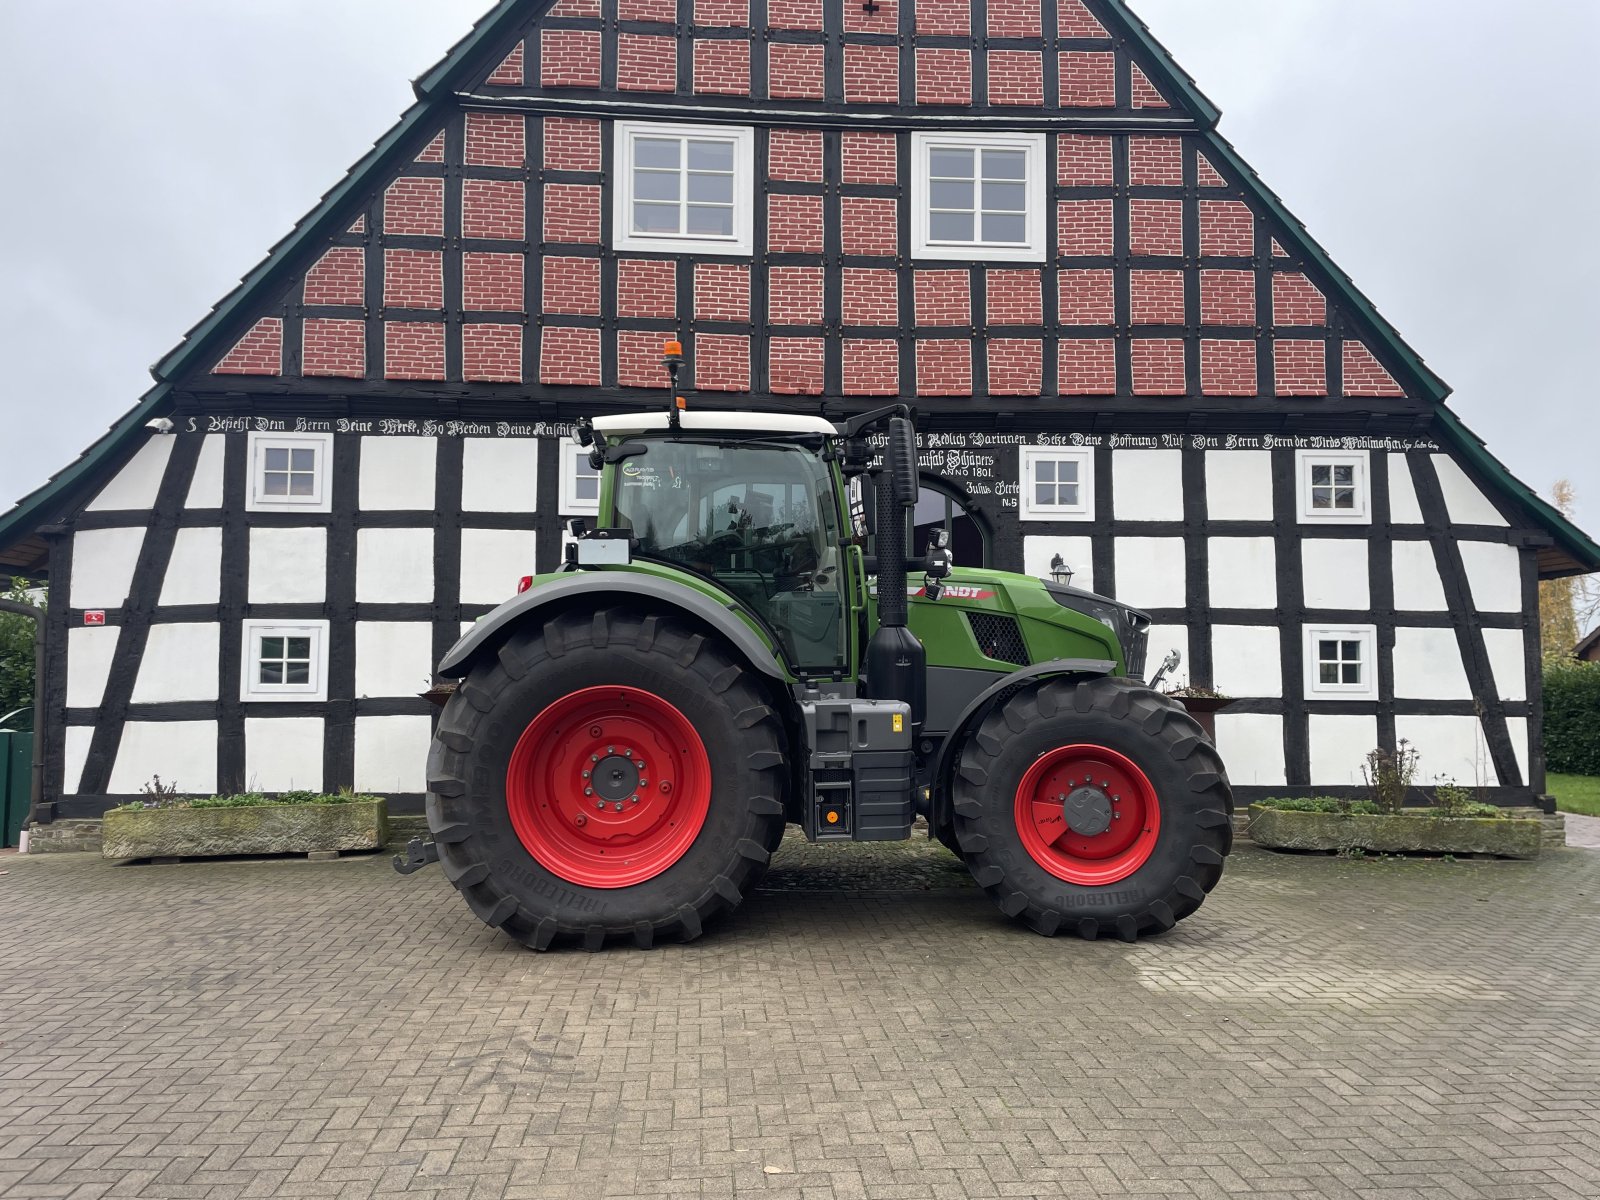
<point x="998" y="637"/>
<point x="1136" y="646"/>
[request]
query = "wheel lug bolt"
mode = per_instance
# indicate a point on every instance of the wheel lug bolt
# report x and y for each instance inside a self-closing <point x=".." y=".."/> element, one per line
<point x="586" y="774"/>
<point x="640" y="764"/>
<point x="594" y="758"/>
<point x="599" y="803"/>
<point x="617" y="807"/>
<point x="627" y="753"/>
<point x="633" y="799"/>
<point x="1106" y="784"/>
<point x="611" y="749"/>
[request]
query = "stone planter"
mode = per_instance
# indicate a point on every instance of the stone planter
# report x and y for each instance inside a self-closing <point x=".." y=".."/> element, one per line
<point x="1421" y="832"/>
<point x="265" y="829"/>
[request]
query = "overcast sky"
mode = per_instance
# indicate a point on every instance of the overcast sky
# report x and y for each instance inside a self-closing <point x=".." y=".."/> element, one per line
<point x="1442" y="152"/>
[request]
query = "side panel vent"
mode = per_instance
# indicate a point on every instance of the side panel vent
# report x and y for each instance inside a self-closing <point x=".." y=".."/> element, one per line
<point x="998" y="637"/>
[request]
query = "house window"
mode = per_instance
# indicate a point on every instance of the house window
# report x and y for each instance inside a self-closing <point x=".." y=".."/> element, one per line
<point x="289" y="472"/>
<point x="685" y="188"/>
<point x="580" y="482"/>
<point x="285" y="661"/>
<point x="1341" y="662"/>
<point x="979" y="196"/>
<point x="1333" y="488"/>
<point x="1055" y="484"/>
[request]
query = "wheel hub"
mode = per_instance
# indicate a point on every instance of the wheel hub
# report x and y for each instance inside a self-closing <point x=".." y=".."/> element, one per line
<point x="615" y="778"/>
<point x="1088" y="811"/>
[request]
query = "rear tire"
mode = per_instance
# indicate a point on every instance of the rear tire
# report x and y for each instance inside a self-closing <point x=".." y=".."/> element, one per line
<point x="1087" y="873"/>
<point x="514" y="829"/>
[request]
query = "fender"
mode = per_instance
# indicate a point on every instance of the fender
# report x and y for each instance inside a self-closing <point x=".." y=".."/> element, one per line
<point x="493" y="628"/>
<point x="939" y="817"/>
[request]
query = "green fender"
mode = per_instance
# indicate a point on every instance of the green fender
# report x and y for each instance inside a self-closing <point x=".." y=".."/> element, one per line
<point x="625" y="587"/>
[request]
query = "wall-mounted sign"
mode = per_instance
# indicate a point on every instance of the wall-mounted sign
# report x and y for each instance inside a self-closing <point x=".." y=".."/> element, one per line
<point x="95" y="616"/>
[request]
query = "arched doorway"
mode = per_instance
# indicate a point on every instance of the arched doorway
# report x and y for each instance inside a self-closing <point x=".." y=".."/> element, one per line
<point x="939" y="507"/>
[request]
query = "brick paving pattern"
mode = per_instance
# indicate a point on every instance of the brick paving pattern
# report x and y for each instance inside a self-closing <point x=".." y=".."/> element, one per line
<point x="866" y="1027"/>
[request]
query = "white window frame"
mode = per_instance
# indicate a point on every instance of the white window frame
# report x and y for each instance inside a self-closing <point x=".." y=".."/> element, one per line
<point x="321" y="499"/>
<point x="1367" y="636"/>
<point x="251" y="691"/>
<point x="1036" y="185"/>
<point x="1029" y="510"/>
<point x="571" y="506"/>
<point x="1361" y="460"/>
<point x="742" y="239"/>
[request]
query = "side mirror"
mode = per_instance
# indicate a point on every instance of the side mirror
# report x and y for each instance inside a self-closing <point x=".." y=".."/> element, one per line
<point x="901" y="458"/>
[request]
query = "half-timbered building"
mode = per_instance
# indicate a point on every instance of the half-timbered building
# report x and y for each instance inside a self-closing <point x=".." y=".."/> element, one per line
<point x="1129" y="360"/>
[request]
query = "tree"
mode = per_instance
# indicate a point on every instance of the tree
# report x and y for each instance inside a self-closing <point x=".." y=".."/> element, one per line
<point x="16" y="649"/>
<point x="1567" y="607"/>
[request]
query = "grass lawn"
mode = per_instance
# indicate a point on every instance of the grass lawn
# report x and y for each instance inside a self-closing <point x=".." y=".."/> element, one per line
<point x="1576" y="793"/>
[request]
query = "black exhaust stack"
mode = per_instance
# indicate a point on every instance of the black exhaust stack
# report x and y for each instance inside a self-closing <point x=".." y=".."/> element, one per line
<point x="897" y="664"/>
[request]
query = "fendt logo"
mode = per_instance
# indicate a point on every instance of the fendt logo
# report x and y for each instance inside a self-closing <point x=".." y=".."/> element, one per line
<point x="958" y="591"/>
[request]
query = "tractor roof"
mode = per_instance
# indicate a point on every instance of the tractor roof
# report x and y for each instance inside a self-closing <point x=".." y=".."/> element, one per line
<point x="715" y="422"/>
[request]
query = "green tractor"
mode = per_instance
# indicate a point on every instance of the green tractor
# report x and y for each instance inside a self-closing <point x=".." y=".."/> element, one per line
<point x="631" y="734"/>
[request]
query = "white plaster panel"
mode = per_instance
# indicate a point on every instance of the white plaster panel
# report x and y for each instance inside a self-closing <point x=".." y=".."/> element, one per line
<point x="1448" y="748"/>
<point x="397" y="472"/>
<point x="1243" y="573"/>
<point x="1247" y="660"/>
<point x="1417" y="587"/>
<point x="136" y="485"/>
<point x="1251" y="745"/>
<point x="392" y="754"/>
<point x="1336" y="573"/>
<point x="1147" y="485"/>
<point x="181" y="752"/>
<point x="492" y="561"/>
<point x="289" y="565"/>
<point x="283" y="754"/>
<point x="393" y="658"/>
<point x="1403" y="506"/>
<point x="1239" y="485"/>
<point x="1077" y="552"/>
<point x="1163" y="640"/>
<point x="205" y="489"/>
<point x="180" y="663"/>
<point x="1150" y="572"/>
<point x="394" y="565"/>
<point x="1339" y="747"/>
<point x="103" y="562"/>
<point x="194" y="576"/>
<point x="1494" y="574"/>
<point x="89" y="654"/>
<point x="1517" y="727"/>
<point x="78" y="740"/>
<point x="1508" y="660"/>
<point x="499" y="475"/>
<point x="1465" y="503"/>
<point x="1428" y="666"/>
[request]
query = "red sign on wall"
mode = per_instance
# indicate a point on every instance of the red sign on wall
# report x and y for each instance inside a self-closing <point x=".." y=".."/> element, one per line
<point x="95" y="616"/>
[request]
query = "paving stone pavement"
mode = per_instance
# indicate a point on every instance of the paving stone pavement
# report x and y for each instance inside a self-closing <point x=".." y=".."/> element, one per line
<point x="1582" y="831"/>
<point x="1323" y="1027"/>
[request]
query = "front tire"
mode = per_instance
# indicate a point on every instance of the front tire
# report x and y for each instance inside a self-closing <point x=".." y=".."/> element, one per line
<point x="1092" y="807"/>
<point x="609" y="774"/>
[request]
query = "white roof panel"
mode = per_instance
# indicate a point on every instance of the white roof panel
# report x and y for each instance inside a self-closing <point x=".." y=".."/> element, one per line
<point x="728" y="422"/>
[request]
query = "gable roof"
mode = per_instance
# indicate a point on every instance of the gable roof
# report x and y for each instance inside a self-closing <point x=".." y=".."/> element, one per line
<point x="20" y="548"/>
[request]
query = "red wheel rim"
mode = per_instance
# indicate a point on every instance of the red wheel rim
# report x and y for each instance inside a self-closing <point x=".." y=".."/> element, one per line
<point x="1065" y="798"/>
<point x="599" y="817"/>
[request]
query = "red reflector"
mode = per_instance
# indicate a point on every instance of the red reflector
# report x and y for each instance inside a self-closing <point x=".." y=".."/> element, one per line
<point x="524" y="584"/>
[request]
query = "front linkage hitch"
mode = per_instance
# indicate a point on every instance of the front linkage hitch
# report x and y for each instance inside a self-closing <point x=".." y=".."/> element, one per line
<point x="418" y="855"/>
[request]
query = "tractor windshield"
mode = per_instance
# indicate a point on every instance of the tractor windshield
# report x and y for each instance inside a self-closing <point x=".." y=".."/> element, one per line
<point x="758" y="517"/>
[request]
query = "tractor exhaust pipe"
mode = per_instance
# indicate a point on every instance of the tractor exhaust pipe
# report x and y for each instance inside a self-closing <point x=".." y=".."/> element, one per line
<point x="897" y="664"/>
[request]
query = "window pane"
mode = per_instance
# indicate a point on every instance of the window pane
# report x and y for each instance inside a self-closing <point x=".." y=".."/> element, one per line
<point x="1005" y="164"/>
<point x="1344" y="498"/>
<point x="1350" y="651"/>
<point x="1005" y="197"/>
<point x="276" y="460"/>
<point x="1044" y="493"/>
<point x="299" y="647"/>
<point x="276" y="485"/>
<point x="1004" y="227"/>
<point x="710" y="156"/>
<point x="1327" y="650"/>
<point x="586" y="487"/>
<point x="298" y="673"/>
<point x="948" y="162"/>
<point x="1344" y="474"/>
<point x="714" y="222"/>
<point x="1067" y="494"/>
<point x="303" y="460"/>
<point x="655" y="152"/>
<point x="1321" y="474"/>
<point x="272" y="647"/>
<point x="655" y="218"/>
<point x="714" y="189"/>
<point x="950" y="193"/>
<point x="1328" y="672"/>
<point x="1068" y="469"/>
<point x="272" y="672"/>
<point x="302" y="485"/>
<point x="655" y="185"/>
<point x="1321" y="498"/>
<point x="1044" y="470"/>
<point x="950" y="227"/>
<point x="1352" y="673"/>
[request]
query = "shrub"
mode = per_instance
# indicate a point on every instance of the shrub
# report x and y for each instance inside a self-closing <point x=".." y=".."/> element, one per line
<point x="1389" y="774"/>
<point x="1572" y="717"/>
<point x="1320" y="804"/>
<point x="168" y="799"/>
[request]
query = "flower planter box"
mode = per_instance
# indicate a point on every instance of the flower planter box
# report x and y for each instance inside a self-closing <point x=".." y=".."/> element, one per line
<point x="1204" y="709"/>
<point x="259" y="830"/>
<point x="1394" y="833"/>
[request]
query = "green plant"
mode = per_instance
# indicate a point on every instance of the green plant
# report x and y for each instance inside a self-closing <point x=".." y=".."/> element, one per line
<point x="16" y="648"/>
<point x="243" y="799"/>
<point x="1193" y="691"/>
<point x="1572" y="717"/>
<point x="1388" y="775"/>
<point x="1575" y="793"/>
<point x="1321" y="804"/>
